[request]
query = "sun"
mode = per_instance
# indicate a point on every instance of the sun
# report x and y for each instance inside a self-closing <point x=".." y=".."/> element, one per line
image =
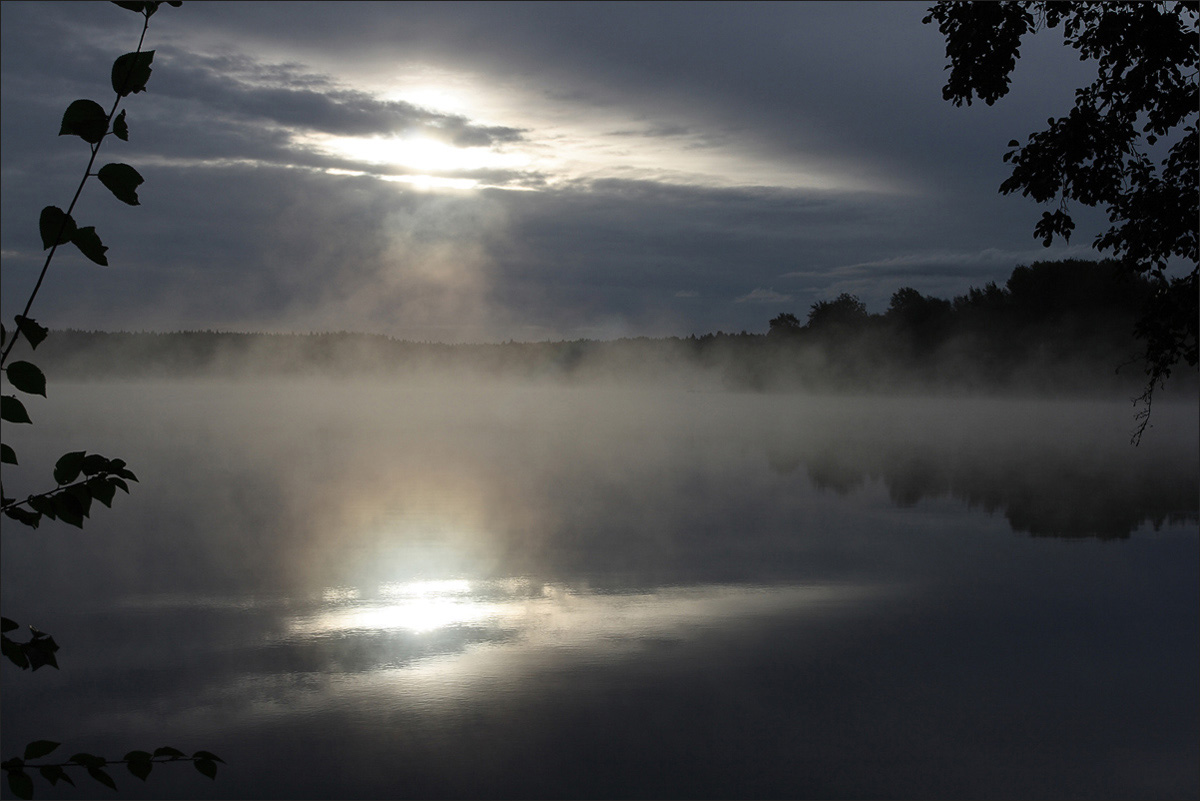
<point x="425" y="161"/>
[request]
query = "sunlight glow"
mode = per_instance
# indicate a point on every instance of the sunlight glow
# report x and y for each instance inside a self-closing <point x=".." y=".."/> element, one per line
<point x="416" y="181"/>
<point x="440" y="90"/>
<point x="571" y="141"/>
<point x="432" y="181"/>
<point x="439" y="97"/>
<point x="417" y="152"/>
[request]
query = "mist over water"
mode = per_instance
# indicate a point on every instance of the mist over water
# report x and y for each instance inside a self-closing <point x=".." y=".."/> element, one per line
<point x="492" y="588"/>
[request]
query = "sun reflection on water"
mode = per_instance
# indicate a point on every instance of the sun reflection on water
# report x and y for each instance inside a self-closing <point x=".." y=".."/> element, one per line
<point x="571" y="617"/>
<point x="432" y="645"/>
<point x="415" y="606"/>
<point x="424" y="589"/>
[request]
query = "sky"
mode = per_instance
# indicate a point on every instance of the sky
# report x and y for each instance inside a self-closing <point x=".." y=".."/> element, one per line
<point x="465" y="172"/>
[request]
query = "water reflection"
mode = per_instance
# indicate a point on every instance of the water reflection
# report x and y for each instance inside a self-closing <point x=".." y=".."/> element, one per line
<point x="522" y="621"/>
<point x="288" y="489"/>
<point x="416" y="606"/>
<point x="274" y="661"/>
<point x="1043" y="485"/>
<point x="526" y="592"/>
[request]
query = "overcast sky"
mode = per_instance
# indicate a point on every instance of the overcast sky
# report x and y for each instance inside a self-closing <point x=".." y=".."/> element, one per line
<point x="480" y="172"/>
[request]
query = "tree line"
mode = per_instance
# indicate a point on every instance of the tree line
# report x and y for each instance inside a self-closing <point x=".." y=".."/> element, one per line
<point x="1053" y="326"/>
<point x="1070" y="312"/>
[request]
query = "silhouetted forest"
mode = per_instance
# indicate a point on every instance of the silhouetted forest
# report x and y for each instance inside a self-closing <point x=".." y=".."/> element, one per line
<point x="1055" y="326"/>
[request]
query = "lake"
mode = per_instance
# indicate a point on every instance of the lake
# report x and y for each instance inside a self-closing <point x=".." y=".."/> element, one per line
<point x="490" y="589"/>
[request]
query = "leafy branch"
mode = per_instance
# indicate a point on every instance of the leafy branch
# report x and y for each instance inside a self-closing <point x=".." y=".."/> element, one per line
<point x="71" y="501"/>
<point x="80" y="477"/>
<point x="87" y="120"/>
<point x="139" y="763"/>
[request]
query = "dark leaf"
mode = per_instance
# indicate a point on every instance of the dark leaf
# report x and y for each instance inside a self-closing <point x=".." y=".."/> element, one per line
<point x="12" y="410"/>
<point x="131" y="71"/>
<point x="54" y="773"/>
<point x="26" y="377"/>
<point x="102" y="777"/>
<point x="40" y="748"/>
<point x="90" y="245"/>
<point x="168" y="751"/>
<point x="57" y="228"/>
<point x="43" y="504"/>
<point x="14" y="652"/>
<point x="67" y="468"/>
<point x="101" y="490"/>
<point x="8" y="625"/>
<point x="139" y="763"/>
<point x="7" y="454"/>
<point x="68" y="510"/>
<point x="122" y="180"/>
<point x="20" y="783"/>
<point x="207" y="755"/>
<point x="32" y="331"/>
<point x="116" y="482"/>
<point x="82" y="494"/>
<point x="22" y="516"/>
<point x="93" y="463"/>
<point x="207" y="767"/>
<point x="120" y="127"/>
<point x="131" y="5"/>
<point x="85" y="119"/>
<point x="40" y="651"/>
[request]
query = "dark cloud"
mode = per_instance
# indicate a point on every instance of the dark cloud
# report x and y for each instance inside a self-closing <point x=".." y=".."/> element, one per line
<point x="283" y="95"/>
<point x="781" y="153"/>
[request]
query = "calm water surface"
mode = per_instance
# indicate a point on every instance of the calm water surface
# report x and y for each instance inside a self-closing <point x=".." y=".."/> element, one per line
<point x="500" y="590"/>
